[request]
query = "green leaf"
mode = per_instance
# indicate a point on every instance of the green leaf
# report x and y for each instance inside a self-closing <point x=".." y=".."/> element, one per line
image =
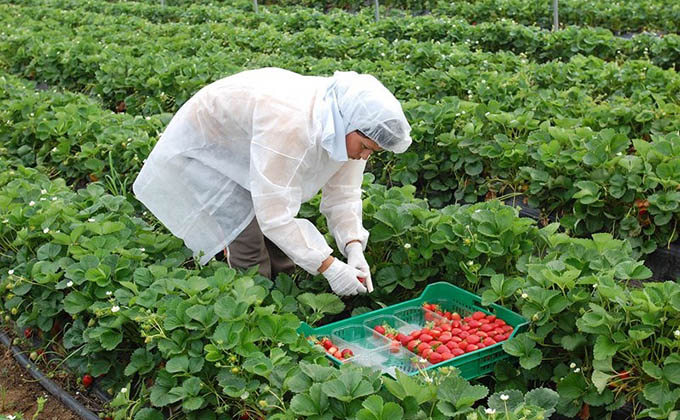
<point x="375" y="410"/>
<point x="303" y="405"/>
<point x="324" y="303"/>
<point x="571" y="341"/>
<point x="604" y="348"/>
<point x="76" y="302"/>
<point x="514" y="399"/>
<point x="315" y="402"/>
<point x="48" y="251"/>
<point x="178" y="364"/>
<point x="572" y="387"/>
<point x="652" y="370"/>
<point x="192" y="403"/>
<point x="316" y="372"/>
<point x="600" y="380"/>
<point x="671" y="372"/>
<point x="232" y="385"/>
<point x="110" y="339"/>
<point x="460" y="393"/>
<point x="544" y="398"/>
<point x="141" y="361"/>
<point x="149" y="414"/>
<point x="348" y="386"/>
<point x="406" y="386"/>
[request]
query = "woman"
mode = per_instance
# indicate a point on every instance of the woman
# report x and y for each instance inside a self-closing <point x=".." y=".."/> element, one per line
<point x="236" y="162"/>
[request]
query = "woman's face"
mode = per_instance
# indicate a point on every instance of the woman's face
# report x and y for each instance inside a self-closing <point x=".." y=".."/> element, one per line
<point x="360" y="146"/>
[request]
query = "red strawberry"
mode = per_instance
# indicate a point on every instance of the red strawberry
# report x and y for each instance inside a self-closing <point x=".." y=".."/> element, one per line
<point x="471" y="347"/>
<point x="379" y="329"/>
<point x="347" y="353"/>
<point x="327" y="343"/>
<point x="87" y="380"/>
<point x="28" y="333"/>
<point x="435" y="357"/>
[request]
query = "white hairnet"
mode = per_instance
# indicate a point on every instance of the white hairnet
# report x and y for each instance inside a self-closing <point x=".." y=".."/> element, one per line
<point x="364" y="104"/>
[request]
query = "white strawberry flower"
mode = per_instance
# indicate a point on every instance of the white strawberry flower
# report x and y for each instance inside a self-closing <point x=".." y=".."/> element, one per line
<point x="109" y="293"/>
<point x="31" y="203"/>
<point x="10" y="272"/>
<point x="46" y="230"/>
<point x="69" y="284"/>
<point x="676" y="333"/>
<point x="572" y="365"/>
<point x="115" y="309"/>
<point x="505" y="397"/>
<point x="54" y="198"/>
<point x="91" y="220"/>
<point x="407" y="245"/>
<point x="43" y="191"/>
<point x="123" y="390"/>
<point x="524" y="295"/>
<point x="577" y="370"/>
<point x="490" y="411"/>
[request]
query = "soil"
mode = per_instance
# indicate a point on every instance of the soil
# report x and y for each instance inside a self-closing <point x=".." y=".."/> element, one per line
<point x="19" y="392"/>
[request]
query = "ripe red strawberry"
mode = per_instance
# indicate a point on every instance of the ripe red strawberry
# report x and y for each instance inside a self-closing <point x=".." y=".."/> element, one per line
<point x="379" y="329"/>
<point x="327" y="343"/>
<point x="421" y="347"/>
<point x="347" y="353"/>
<point x="394" y="346"/>
<point x="435" y="357"/>
<point x="87" y="380"/>
<point x="28" y="333"/>
<point x="471" y="347"/>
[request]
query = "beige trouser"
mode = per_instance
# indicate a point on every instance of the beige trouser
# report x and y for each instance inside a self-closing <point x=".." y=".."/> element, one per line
<point x="251" y="248"/>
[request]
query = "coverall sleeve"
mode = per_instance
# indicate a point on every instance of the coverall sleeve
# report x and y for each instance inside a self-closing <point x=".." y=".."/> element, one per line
<point x="280" y="143"/>
<point x="341" y="204"/>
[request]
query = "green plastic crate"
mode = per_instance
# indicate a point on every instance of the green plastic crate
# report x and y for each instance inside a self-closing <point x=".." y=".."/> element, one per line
<point x="375" y="351"/>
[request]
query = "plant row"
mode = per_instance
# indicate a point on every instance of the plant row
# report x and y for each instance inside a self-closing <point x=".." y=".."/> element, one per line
<point x="503" y="35"/>
<point x="625" y="16"/>
<point x="477" y="169"/>
<point x="125" y="301"/>
<point x="622" y="16"/>
<point x="100" y="55"/>
<point x="639" y="116"/>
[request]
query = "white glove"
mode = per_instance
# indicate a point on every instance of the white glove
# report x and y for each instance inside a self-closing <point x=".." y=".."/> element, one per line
<point x="343" y="279"/>
<point x="356" y="259"/>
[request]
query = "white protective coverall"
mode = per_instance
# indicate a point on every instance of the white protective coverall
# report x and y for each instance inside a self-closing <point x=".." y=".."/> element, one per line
<point x="259" y="144"/>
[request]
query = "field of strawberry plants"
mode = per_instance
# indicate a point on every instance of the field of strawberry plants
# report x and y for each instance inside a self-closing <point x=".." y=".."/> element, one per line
<point x="581" y="124"/>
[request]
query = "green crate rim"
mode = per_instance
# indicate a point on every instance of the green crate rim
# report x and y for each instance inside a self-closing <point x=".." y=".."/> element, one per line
<point x="434" y="291"/>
